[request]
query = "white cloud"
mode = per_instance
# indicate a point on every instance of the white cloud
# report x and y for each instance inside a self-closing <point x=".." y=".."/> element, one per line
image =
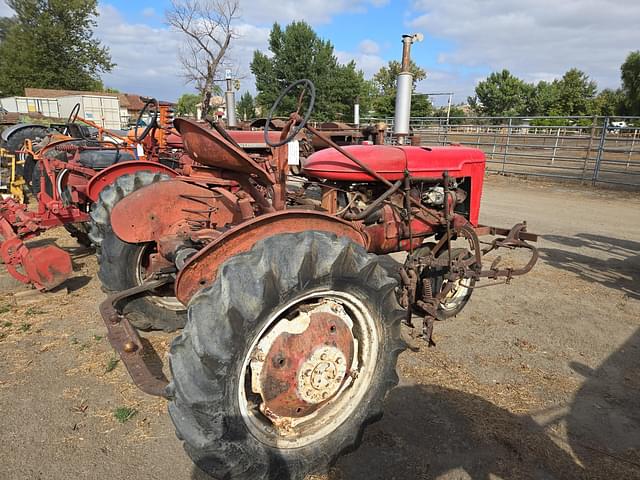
<point x="535" y="39"/>
<point x="315" y="12"/>
<point x="369" y="64"/>
<point x="149" y="12"/>
<point x="369" y="47"/>
<point x="147" y="57"/>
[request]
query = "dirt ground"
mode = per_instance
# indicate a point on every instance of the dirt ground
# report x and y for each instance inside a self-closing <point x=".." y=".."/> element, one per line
<point x="539" y="379"/>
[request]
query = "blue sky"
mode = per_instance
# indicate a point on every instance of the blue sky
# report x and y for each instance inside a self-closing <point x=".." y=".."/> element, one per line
<point x="465" y="40"/>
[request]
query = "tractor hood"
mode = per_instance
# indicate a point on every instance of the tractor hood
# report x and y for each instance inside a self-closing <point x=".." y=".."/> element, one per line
<point x="392" y="161"/>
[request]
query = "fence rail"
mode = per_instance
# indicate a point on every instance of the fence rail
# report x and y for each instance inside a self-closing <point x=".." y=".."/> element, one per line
<point x="585" y="149"/>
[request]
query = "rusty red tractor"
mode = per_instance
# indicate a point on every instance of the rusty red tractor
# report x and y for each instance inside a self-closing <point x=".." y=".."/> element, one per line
<point x="293" y="311"/>
<point x="71" y="170"/>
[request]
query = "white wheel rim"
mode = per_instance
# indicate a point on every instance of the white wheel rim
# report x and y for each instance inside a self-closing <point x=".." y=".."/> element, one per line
<point x="347" y="399"/>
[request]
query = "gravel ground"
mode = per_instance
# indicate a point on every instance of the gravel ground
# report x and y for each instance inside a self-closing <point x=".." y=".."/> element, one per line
<point x="539" y="379"/>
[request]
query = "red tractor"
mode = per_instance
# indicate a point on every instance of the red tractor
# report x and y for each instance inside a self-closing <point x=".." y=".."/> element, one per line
<point x="71" y="170"/>
<point x="293" y="311"/>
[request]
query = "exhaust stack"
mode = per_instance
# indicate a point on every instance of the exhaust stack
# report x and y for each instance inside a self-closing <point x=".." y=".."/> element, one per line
<point x="230" y="101"/>
<point x="405" y="87"/>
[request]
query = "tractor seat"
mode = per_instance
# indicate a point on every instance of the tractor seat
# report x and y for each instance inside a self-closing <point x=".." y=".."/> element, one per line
<point x="99" y="159"/>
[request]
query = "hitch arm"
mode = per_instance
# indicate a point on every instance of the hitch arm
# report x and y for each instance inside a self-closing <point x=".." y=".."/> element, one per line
<point x="125" y="340"/>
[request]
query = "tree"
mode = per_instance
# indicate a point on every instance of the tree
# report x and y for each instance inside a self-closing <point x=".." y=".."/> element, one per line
<point x="543" y="100"/>
<point x="246" y="107"/>
<point x="50" y="44"/>
<point x="502" y="95"/>
<point x="188" y="105"/>
<point x="209" y="28"/>
<point x="456" y="114"/>
<point x="575" y="94"/>
<point x="6" y="24"/>
<point x="298" y="52"/>
<point x="609" y="102"/>
<point x="630" y="73"/>
<point x="385" y="88"/>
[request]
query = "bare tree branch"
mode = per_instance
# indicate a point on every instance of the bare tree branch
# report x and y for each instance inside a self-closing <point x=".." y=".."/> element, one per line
<point x="208" y="26"/>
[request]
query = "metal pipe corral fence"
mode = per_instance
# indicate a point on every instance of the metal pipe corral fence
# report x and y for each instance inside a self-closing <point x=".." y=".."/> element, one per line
<point x="594" y="149"/>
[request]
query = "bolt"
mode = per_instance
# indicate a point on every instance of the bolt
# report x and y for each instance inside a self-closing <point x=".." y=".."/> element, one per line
<point x="130" y="347"/>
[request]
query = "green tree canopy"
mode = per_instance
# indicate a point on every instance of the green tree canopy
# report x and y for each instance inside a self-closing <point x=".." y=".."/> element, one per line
<point x="575" y="93"/>
<point x="630" y="72"/>
<point x="51" y="45"/>
<point x="609" y="102"/>
<point x="298" y="53"/>
<point x="246" y="107"/>
<point x="383" y="91"/>
<point x="188" y="104"/>
<point x="502" y="94"/>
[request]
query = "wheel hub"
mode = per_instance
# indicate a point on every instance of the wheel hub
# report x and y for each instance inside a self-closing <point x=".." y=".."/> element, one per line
<point x="303" y="363"/>
<point x="321" y="375"/>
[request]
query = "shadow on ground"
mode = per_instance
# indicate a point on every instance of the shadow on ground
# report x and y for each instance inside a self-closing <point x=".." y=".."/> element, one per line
<point x="608" y="261"/>
<point x="437" y="432"/>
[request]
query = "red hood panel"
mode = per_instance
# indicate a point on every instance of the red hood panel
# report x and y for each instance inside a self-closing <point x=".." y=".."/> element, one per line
<point x="392" y="161"/>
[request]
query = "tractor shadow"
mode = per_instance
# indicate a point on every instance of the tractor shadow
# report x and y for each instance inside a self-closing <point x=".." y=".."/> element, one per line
<point x="437" y="432"/>
<point x="430" y="432"/>
<point x="611" y="262"/>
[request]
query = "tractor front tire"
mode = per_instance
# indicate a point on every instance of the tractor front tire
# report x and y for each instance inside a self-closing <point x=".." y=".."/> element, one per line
<point x="285" y="358"/>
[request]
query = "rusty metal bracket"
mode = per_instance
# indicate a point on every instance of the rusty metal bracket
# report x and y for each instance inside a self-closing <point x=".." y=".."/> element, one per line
<point x="125" y="339"/>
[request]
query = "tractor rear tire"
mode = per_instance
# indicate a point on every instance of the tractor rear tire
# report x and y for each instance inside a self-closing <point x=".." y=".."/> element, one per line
<point x="38" y="172"/>
<point x="16" y="140"/>
<point x="100" y="224"/>
<point x="213" y="400"/>
<point x="122" y="267"/>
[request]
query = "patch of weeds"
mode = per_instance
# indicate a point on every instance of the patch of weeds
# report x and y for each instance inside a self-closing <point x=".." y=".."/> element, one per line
<point x="97" y="338"/>
<point x="74" y="341"/>
<point x="31" y="311"/>
<point x="7" y="324"/>
<point x="5" y="309"/>
<point x="25" y="327"/>
<point x="124" y="414"/>
<point x="2" y="335"/>
<point x="84" y="346"/>
<point x="112" y="364"/>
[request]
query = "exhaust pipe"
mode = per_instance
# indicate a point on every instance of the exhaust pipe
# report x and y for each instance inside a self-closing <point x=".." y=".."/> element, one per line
<point x="404" y="89"/>
<point x="230" y="100"/>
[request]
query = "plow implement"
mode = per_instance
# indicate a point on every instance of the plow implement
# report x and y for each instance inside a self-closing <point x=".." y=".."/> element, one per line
<point x="45" y="267"/>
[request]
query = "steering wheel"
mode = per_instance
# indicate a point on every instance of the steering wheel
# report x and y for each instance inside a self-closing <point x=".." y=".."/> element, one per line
<point x="73" y="116"/>
<point x="152" y="124"/>
<point x="294" y="118"/>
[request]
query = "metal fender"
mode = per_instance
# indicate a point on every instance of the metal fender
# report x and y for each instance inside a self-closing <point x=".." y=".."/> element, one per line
<point x="200" y="271"/>
<point x="162" y="208"/>
<point x="109" y="175"/>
